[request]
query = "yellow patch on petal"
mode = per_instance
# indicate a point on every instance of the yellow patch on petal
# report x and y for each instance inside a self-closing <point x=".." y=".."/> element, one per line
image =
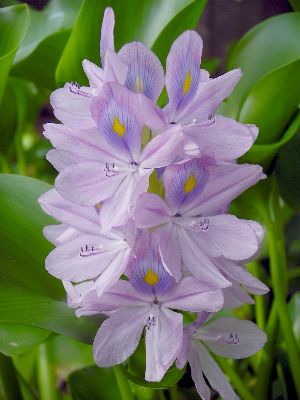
<point x="190" y="184"/>
<point x="138" y="85"/>
<point x="187" y="83"/>
<point x="118" y="127"/>
<point x="151" y="278"/>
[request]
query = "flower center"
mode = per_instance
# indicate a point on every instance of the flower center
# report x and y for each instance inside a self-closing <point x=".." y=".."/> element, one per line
<point x="151" y="277"/>
<point x="118" y="127"/>
<point x="190" y="184"/>
<point x="187" y="83"/>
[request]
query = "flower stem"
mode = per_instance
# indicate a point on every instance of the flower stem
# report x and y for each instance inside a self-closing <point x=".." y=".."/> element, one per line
<point x="124" y="385"/>
<point x="260" y="301"/>
<point x="279" y="278"/>
<point x="45" y="374"/>
<point x="9" y="378"/>
<point x="236" y="381"/>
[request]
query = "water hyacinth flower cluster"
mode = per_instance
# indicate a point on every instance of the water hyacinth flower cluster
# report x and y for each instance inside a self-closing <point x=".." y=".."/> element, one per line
<point x="145" y="257"/>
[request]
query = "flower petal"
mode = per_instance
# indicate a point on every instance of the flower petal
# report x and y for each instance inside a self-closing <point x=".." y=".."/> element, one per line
<point x="119" y="336"/>
<point x="169" y="249"/>
<point x="71" y="108"/>
<point x="197" y="262"/>
<point x="94" y="73"/>
<point x="227" y="138"/>
<point x="84" y="219"/>
<point x="215" y="376"/>
<point x="107" y="33"/>
<point x="209" y="96"/>
<point x="60" y="234"/>
<point x="225" y="183"/>
<point x="231" y="337"/>
<point x="82" y="258"/>
<point x="115" y="112"/>
<point x="183" y="71"/>
<point x="145" y="72"/>
<point x="192" y="295"/>
<point x="151" y="210"/>
<point x="86" y="183"/>
<point x="185" y="181"/>
<point x="163" y="149"/>
<point x="195" y="362"/>
<point x="225" y="235"/>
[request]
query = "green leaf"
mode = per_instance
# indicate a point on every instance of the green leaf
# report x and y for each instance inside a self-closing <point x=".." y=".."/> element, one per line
<point x="57" y="16"/>
<point x="154" y="22"/>
<point x="268" y="46"/>
<point x="295" y="4"/>
<point x="264" y="153"/>
<point x="13" y="26"/>
<point x="273" y="101"/>
<point x="39" y="67"/>
<point x="287" y="172"/>
<point x="94" y="383"/>
<point x="43" y="45"/>
<point x="172" y="376"/>
<point x="17" y="339"/>
<point x="29" y="295"/>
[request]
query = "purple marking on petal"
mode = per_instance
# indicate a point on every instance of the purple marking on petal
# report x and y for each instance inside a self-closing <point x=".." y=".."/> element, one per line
<point x="183" y="182"/>
<point x="146" y="272"/>
<point x="145" y="72"/>
<point x="183" y="70"/>
<point x="107" y="33"/>
<point x="115" y="114"/>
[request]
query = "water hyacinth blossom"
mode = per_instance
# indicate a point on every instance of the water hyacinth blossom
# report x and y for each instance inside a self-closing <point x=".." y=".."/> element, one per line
<point x="226" y="337"/>
<point x="140" y="259"/>
<point x="147" y="302"/>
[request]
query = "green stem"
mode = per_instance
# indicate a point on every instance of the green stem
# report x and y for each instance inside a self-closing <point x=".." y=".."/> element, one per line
<point x="236" y="381"/>
<point x="124" y="386"/>
<point x="260" y="301"/>
<point x="45" y="374"/>
<point x="267" y="355"/>
<point x="174" y="393"/>
<point x="280" y="283"/>
<point x="9" y="378"/>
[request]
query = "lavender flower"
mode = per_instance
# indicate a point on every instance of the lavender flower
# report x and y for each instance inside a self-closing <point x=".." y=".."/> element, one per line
<point x="146" y="302"/>
<point x="226" y="337"/>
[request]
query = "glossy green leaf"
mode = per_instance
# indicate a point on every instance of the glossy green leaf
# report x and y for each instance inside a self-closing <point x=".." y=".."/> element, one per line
<point x="272" y="102"/>
<point x="264" y="153"/>
<point x="172" y="376"/>
<point x="17" y="339"/>
<point x="39" y="67"/>
<point x="154" y="22"/>
<point x="94" y="383"/>
<point x="29" y="295"/>
<point x="58" y="15"/>
<point x="268" y="46"/>
<point x="13" y="26"/>
<point x="287" y="171"/>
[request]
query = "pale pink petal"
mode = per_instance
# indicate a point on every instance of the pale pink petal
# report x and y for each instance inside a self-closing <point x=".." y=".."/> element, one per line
<point x="169" y="249"/>
<point x="94" y="73"/>
<point x="60" y="234"/>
